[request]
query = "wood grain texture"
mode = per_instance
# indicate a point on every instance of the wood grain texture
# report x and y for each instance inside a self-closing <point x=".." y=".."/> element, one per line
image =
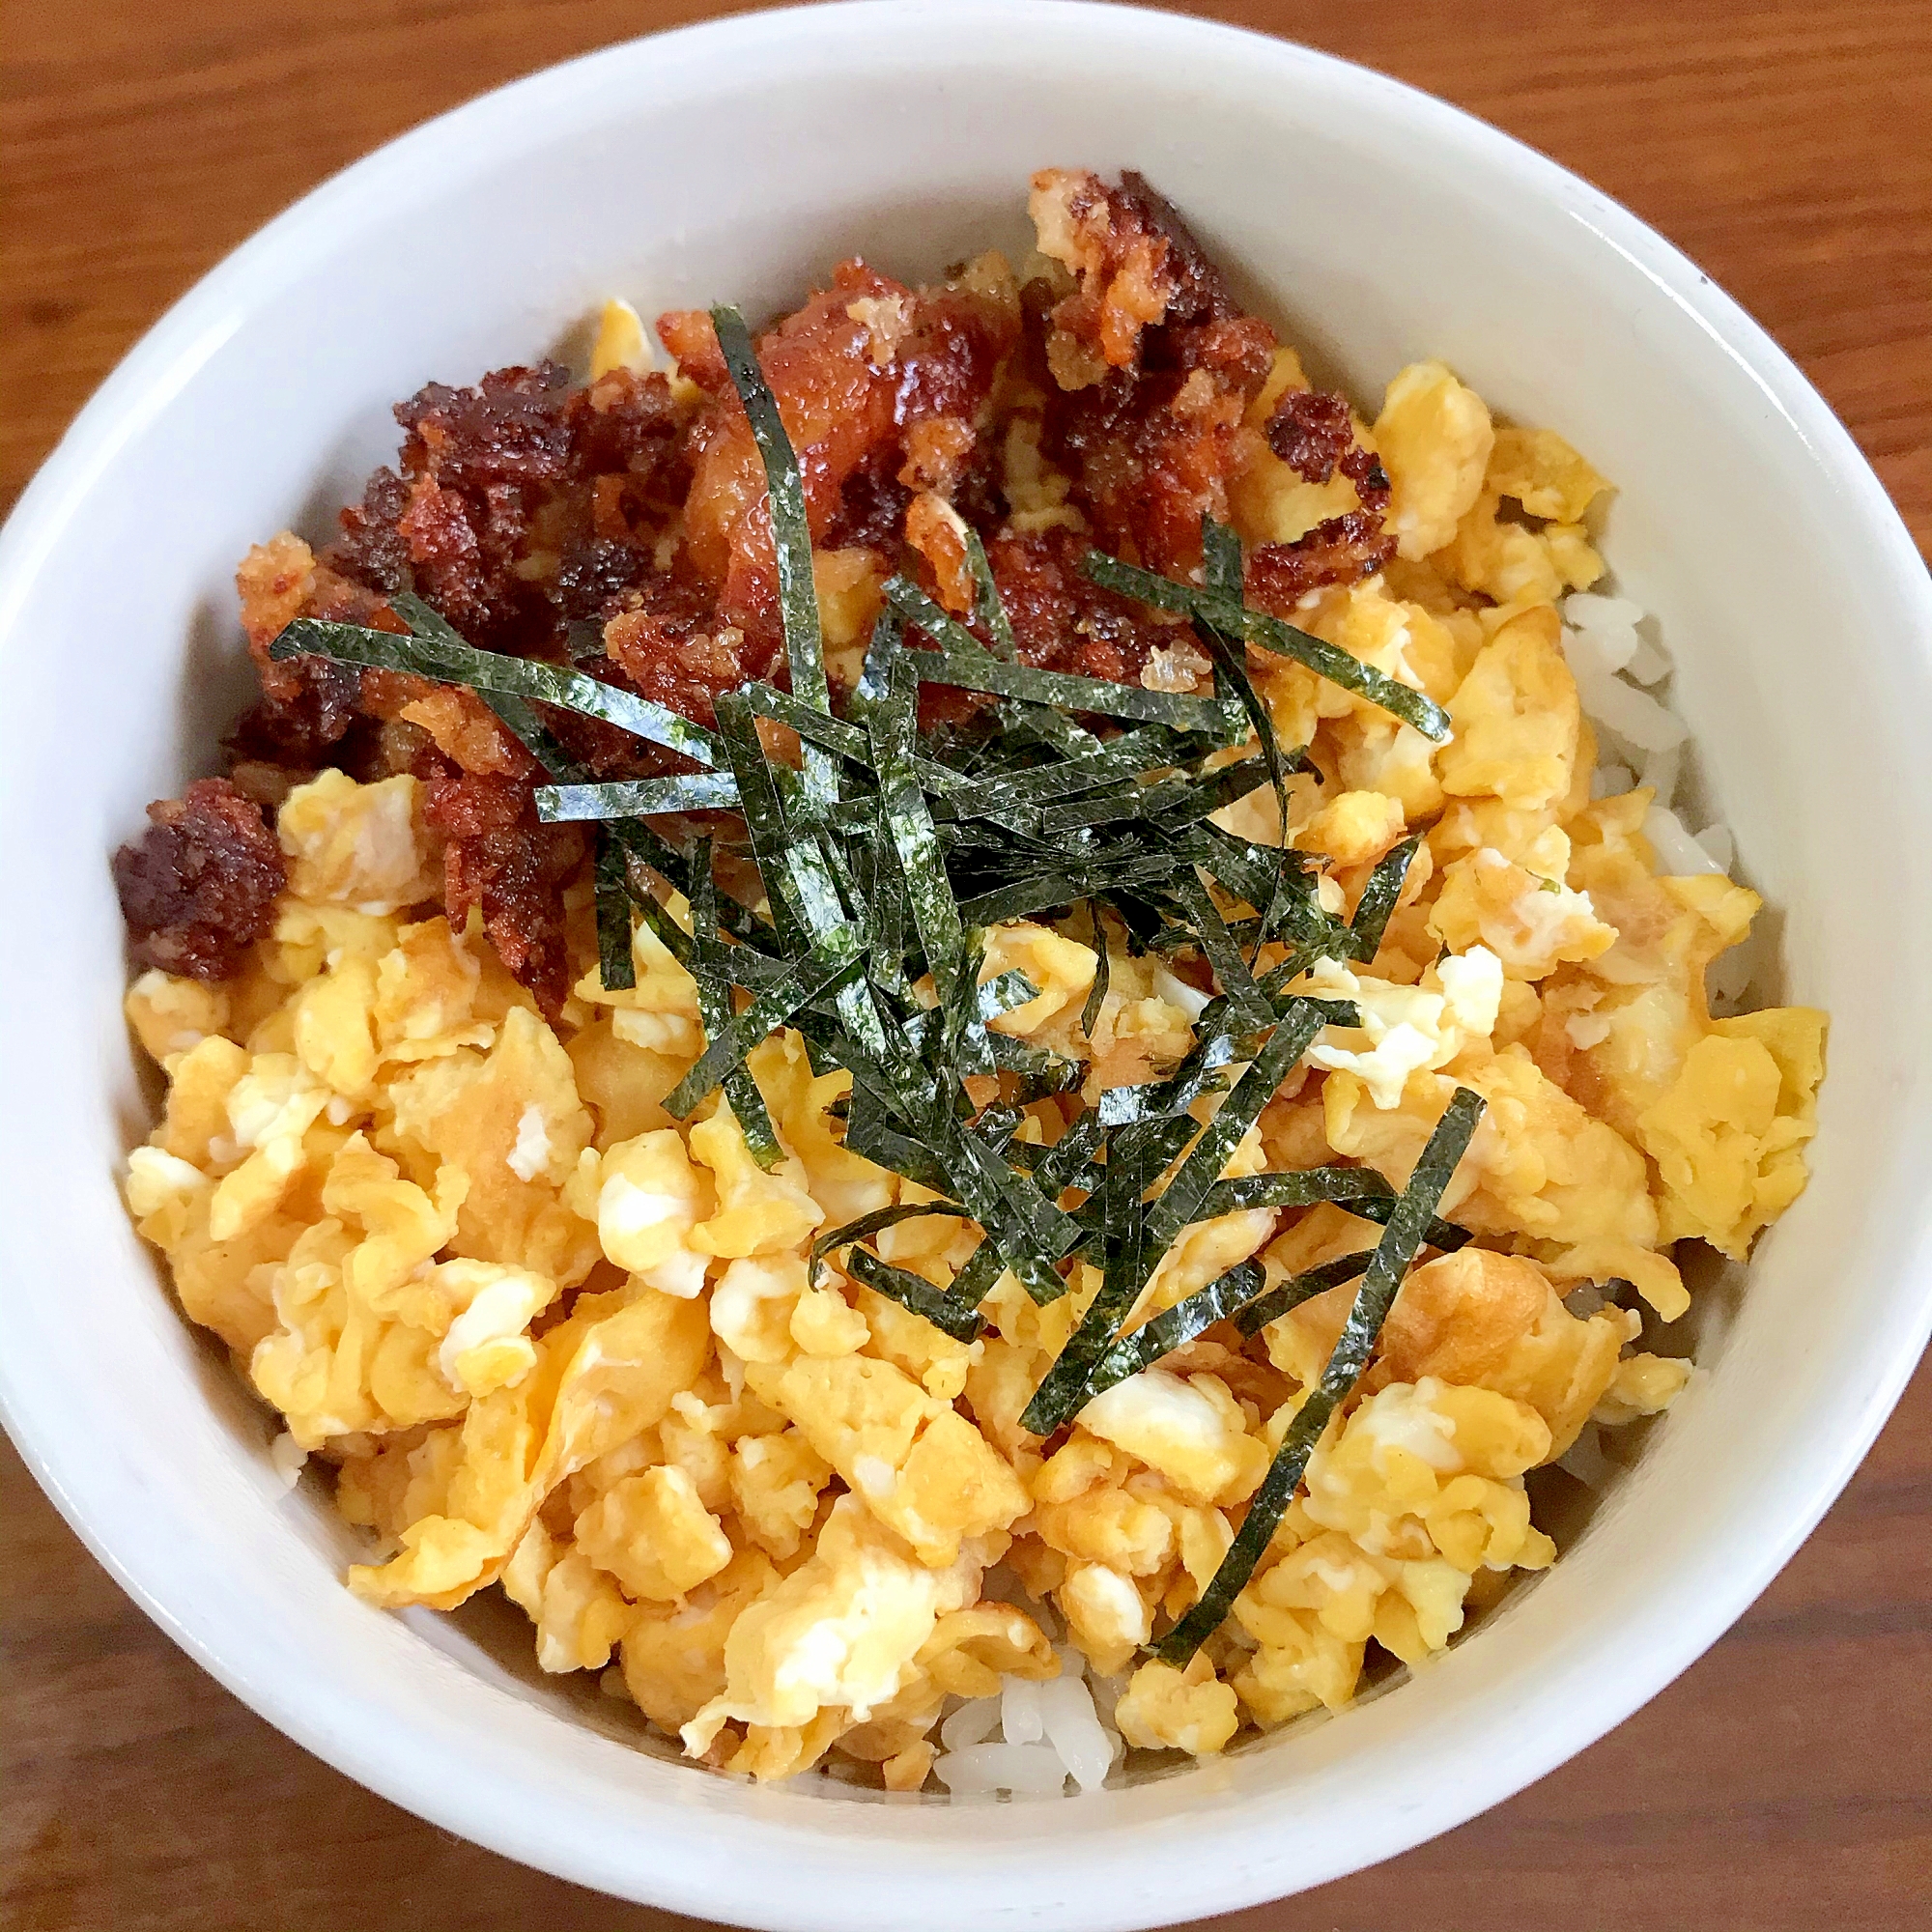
<point x="1784" y="1782"/>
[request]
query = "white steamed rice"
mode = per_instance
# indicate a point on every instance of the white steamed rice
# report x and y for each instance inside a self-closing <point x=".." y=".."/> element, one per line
<point x="1030" y="1738"/>
<point x="1641" y="742"/>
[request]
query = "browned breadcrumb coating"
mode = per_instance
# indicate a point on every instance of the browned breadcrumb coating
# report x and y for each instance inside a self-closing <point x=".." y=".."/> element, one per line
<point x="1125" y="269"/>
<point x="1338" y="550"/>
<point x="1312" y="432"/>
<point x="499" y="859"/>
<point x="881" y="388"/>
<point x="1152" y="425"/>
<point x="1063" y="620"/>
<point x="621" y="523"/>
<point x="199" y="887"/>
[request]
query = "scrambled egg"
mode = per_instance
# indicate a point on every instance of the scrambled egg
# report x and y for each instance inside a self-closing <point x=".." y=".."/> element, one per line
<point x="546" y="1336"/>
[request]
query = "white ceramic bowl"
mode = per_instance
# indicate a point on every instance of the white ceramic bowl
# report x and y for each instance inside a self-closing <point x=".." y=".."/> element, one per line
<point x="739" y="160"/>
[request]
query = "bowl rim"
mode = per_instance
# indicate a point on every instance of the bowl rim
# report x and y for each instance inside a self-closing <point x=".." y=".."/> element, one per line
<point x="193" y="331"/>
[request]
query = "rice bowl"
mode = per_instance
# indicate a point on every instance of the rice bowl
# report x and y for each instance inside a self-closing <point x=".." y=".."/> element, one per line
<point x="1840" y="1409"/>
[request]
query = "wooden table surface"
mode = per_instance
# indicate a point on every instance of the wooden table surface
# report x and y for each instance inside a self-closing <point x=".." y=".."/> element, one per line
<point x="1784" y="1781"/>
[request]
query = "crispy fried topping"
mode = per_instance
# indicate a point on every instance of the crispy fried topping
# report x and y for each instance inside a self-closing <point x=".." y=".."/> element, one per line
<point x="198" y="888"/>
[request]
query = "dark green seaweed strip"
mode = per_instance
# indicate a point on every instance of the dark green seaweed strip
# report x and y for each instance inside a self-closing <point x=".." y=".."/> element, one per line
<point x="880" y="647"/>
<point x="1248" y="871"/>
<point x="1106" y="874"/>
<point x="1300" y="1287"/>
<point x="1064" y="1159"/>
<point x="1179" y="1201"/>
<point x="1027" y="1227"/>
<point x="1200" y="1072"/>
<point x="792" y="538"/>
<point x="1021" y="898"/>
<point x="1146" y="748"/>
<point x="1062" y="1389"/>
<point x="1047" y="1071"/>
<point x="517" y="714"/>
<point x="1097" y="993"/>
<point x="524" y="724"/>
<point x="832" y="959"/>
<point x="876" y="1222"/>
<point x="1378" y="898"/>
<point x="764" y="819"/>
<point x="1030" y="1231"/>
<point x="492" y="671"/>
<point x="908" y="823"/>
<point x="912" y="606"/>
<point x="1384" y="1276"/>
<point x="885" y="889"/>
<point x="815" y="726"/>
<point x="1300" y="1187"/>
<point x="1112" y="803"/>
<point x="741" y="1092"/>
<point x="431" y="628"/>
<point x="637" y="798"/>
<point x="648" y="848"/>
<point x="1221" y="557"/>
<point x="870" y="1132"/>
<point x="1177" y="1326"/>
<point x="962" y="1036"/>
<point x="1222" y="572"/>
<point x="1002" y="993"/>
<point x="1247" y="1003"/>
<point x="987" y="608"/>
<point x="675" y="940"/>
<point x="950" y="1314"/>
<point x="1213" y="790"/>
<point x="1100" y="696"/>
<point x="616" y="969"/>
<point x="977" y="1280"/>
<point x="1233" y="618"/>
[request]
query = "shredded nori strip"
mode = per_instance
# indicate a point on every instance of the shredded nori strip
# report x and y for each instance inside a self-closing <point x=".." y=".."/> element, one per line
<point x="1246" y="1001"/>
<point x="1064" y="1388"/>
<point x="1390" y="1262"/>
<point x="957" y="1318"/>
<point x="1221" y="571"/>
<point x="490" y="672"/>
<point x="903" y="808"/>
<point x="832" y="959"/>
<point x="1100" y="696"/>
<point x="714" y="1010"/>
<point x="818" y="727"/>
<point x="1234" y="619"/>
<point x="1097" y="993"/>
<point x="616" y="969"/>
<point x="987" y="609"/>
<point x="791" y="537"/>
<point x="637" y="798"/>
<point x="873" y="1223"/>
<point x="880" y="648"/>
<point x="1379" y="897"/>
<point x="1180" y="1203"/>
<point x="1174" y="1327"/>
<point x="1300" y="1287"/>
